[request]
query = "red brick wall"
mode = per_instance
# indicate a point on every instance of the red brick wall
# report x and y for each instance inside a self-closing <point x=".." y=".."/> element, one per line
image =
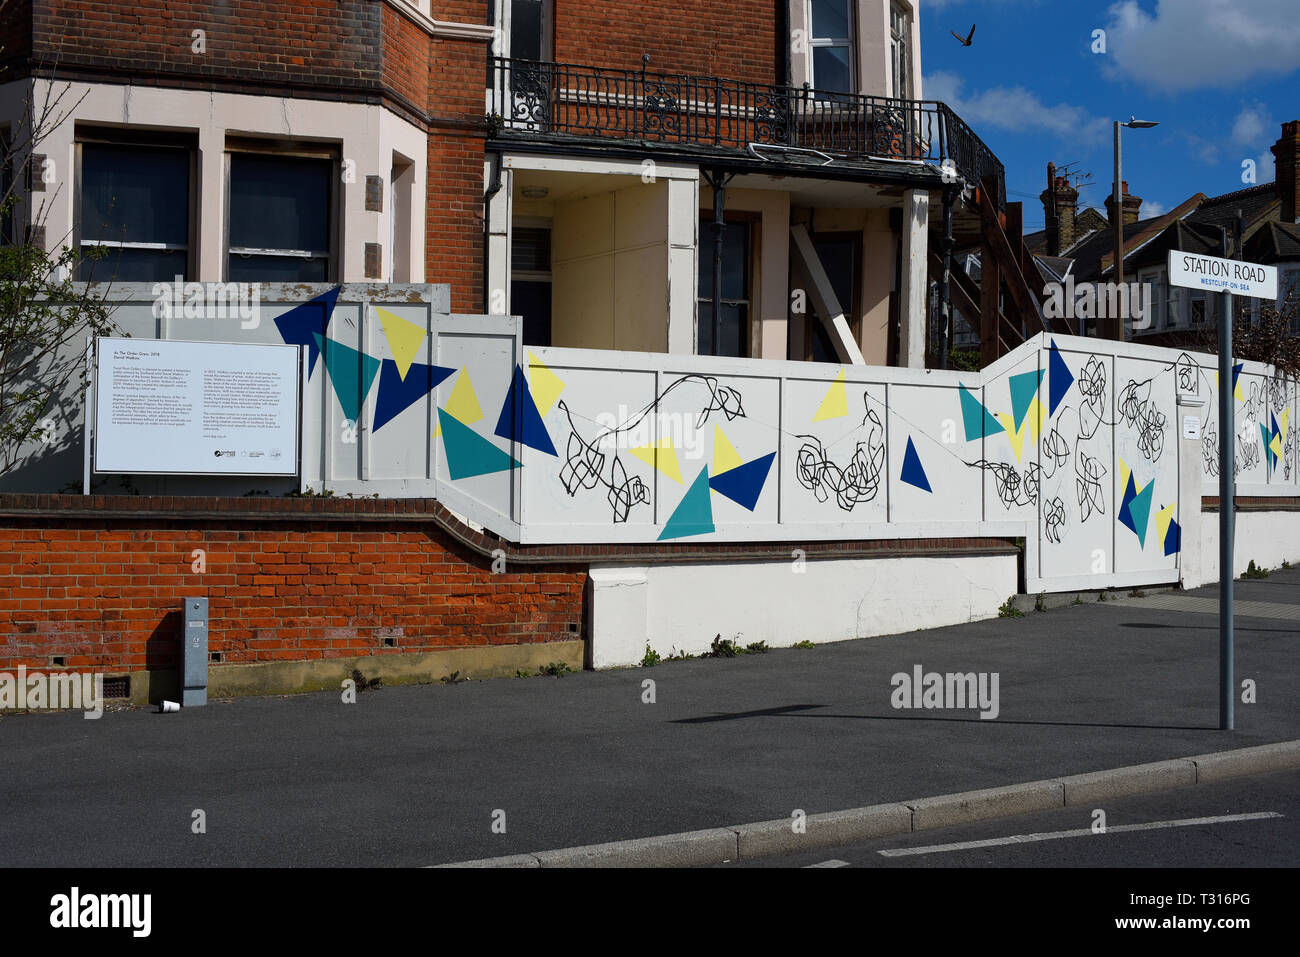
<point x="106" y="593"/>
<point x="728" y="38"/>
<point x="321" y="43"/>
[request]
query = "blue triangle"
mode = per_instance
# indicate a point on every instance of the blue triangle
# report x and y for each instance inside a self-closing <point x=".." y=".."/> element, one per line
<point x="913" y="473"/>
<point x="1059" y="380"/>
<point x="468" y="453"/>
<point x="301" y="324"/>
<point x="1173" y="538"/>
<point x="1268" y="453"/>
<point x="397" y="395"/>
<point x="1130" y="493"/>
<point x="977" y="420"/>
<point x="1236" y="374"/>
<point x="744" y="483"/>
<point x="694" y="513"/>
<point x="351" y="374"/>
<point x="520" y="421"/>
<point x="1023" y="389"/>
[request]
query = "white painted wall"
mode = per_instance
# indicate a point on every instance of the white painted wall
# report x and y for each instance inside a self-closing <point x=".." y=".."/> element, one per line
<point x="370" y="136"/>
<point x="681" y="607"/>
<point x="1267" y="538"/>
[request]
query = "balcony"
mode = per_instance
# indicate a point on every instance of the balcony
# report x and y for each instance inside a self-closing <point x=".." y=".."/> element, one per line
<point x="562" y="102"/>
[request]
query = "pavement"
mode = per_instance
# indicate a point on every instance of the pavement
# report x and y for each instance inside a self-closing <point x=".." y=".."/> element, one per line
<point x="1244" y="822"/>
<point x="436" y="774"/>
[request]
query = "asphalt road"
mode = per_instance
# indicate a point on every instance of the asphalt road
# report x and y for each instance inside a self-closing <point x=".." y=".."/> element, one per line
<point x="415" y="775"/>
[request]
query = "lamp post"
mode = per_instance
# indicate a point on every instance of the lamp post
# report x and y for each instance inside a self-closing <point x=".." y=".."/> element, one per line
<point x="1117" y="213"/>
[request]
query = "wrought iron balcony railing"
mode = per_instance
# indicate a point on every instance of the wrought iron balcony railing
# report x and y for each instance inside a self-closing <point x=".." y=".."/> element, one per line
<point x="559" y="100"/>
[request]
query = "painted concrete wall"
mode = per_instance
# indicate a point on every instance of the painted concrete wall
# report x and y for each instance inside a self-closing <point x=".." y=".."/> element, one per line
<point x="1267" y="538"/>
<point x="681" y="607"/>
<point x="610" y="270"/>
<point x="371" y="137"/>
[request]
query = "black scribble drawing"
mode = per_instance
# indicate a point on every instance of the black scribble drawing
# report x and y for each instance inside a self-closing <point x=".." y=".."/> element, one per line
<point x="859" y="480"/>
<point x="1277" y="394"/>
<point x="584" y="467"/>
<point x="1189" y="375"/>
<point x="1055" y="452"/>
<point x="1288" y="452"/>
<point x="1210" y="449"/>
<point x="1088" y="472"/>
<point x="1247" y="456"/>
<point x="1091" y="382"/>
<point x="1012" y="487"/>
<point x="1054" y="519"/>
<point x="585" y="463"/>
<point x="1137" y="411"/>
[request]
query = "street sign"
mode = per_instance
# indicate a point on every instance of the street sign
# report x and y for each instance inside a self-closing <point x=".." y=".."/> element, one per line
<point x="1194" y="271"/>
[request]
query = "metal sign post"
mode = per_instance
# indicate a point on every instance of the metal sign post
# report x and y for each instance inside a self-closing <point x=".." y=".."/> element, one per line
<point x="1227" y="276"/>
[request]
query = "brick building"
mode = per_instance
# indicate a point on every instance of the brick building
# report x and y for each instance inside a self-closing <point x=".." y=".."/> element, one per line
<point x="552" y="159"/>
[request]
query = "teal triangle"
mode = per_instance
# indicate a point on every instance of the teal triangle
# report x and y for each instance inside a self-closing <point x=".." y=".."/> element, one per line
<point x="977" y="420"/>
<point x="1140" y="511"/>
<point x="1023" y="389"/>
<point x="468" y="453"/>
<point x="744" y="483"/>
<point x="694" y="513"/>
<point x="351" y="373"/>
<point x="913" y="472"/>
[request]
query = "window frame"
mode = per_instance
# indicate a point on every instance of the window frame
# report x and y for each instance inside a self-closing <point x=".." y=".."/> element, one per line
<point x="292" y="150"/>
<point x="900" y="51"/>
<point x="753" y="225"/>
<point x="131" y="138"/>
<point x="849" y="43"/>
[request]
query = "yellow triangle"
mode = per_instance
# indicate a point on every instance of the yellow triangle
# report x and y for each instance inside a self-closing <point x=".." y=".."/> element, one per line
<point x="463" y="403"/>
<point x="662" y="456"/>
<point x="545" y="385"/>
<point x="1017" y="436"/>
<point x="725" y="456"/>
<point x="1123" y="478"/>
<point x="836" y="403"/>
<point x="1276" y="446"/>
<point x="404" y="338"/>
<point x="1163" y="518"/>
<point x="1037" y="417"/>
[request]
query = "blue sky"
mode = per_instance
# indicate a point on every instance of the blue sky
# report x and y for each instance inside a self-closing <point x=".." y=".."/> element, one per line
<point x="1220" y="76"/>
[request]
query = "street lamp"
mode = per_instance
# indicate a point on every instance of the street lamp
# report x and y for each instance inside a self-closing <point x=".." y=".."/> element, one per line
<point x="1117" y="212"/>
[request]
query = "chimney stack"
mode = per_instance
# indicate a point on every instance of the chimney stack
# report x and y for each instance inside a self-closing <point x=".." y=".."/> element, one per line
<point x="1286" y="153"/>
<point x="1130" y="204"/>
<point x="1060" y="200"/>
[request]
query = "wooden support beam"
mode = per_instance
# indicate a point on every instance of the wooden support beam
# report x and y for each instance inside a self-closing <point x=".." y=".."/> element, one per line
<point x="995" y="240"/>
<point x="990" y="293"/>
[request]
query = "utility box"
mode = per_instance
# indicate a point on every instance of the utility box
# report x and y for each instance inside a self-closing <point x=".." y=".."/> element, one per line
<point x="194" y="653"/>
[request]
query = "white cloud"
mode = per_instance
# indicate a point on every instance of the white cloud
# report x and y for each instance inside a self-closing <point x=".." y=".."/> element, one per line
<point x="1252" y="125"/>
<point x="1013" y="108"/>
<point x="1191" y="44"/>
<point x="1151" y="208"/>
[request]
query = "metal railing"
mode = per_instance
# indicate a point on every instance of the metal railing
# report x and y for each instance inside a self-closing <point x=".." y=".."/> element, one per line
<point x="559" y="100"/>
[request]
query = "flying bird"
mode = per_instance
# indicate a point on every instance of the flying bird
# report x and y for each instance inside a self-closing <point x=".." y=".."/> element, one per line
<point x="964" y="41"/>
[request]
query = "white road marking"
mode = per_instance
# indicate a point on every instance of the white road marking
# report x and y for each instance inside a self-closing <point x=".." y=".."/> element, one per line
<point x="1079" y="832"/>
<point x="830" y="863"/>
